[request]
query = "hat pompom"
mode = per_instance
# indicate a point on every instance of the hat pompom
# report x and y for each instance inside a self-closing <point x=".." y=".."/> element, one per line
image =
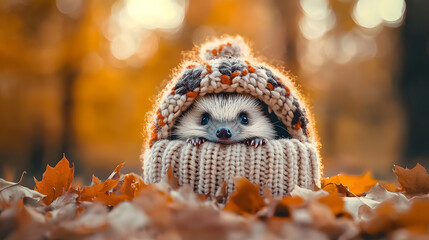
<point x="225" y="47"/>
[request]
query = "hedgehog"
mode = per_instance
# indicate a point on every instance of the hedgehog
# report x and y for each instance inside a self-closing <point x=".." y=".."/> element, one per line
<point x="225" y="118"/>
<point x="228" y="118"/>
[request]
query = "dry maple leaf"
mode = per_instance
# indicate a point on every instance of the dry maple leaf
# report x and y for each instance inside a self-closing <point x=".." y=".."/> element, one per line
<point x="355" y="184"/>
<point x="90" y="193"/>
<point x="246" y="199"/>
<point x="113" y="191"/>
<point x="56" y="180"/>
<point x="11" y="192"/>
<point x="413" y="181"/>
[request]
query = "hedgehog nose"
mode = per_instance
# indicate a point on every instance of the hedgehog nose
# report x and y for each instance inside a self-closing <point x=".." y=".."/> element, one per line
<point x="223" y="133"/>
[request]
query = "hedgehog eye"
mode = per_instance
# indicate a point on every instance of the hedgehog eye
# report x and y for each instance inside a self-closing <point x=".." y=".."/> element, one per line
<point x="205" y="119"/>
<point x="243" y="118"/>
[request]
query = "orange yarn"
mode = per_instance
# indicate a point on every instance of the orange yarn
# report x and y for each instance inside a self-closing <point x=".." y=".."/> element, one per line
<point x="221" y="47"/>
<point x="191" y="94"/>
<point x="298" y="126"/>
<point x="270" y="86"/>
<point x="225" y="79"/>
<point x="244" y="72"/>
<point x="208" y="67"/>
<point x="234" y="74"/>
<point x="287" y="91"/>
<point x="153" y="135"/>
<point x="251" y="69"/>
<point x="160" y="118"/>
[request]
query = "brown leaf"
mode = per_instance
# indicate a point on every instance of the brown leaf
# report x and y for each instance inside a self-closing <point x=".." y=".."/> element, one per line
<point x="55" y="181"/>
<point x="413" y="181"/>
<point x="246" y="199"/>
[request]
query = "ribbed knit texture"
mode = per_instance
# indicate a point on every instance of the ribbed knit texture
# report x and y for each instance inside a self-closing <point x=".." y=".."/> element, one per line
<point x="226" y="65"/>
<point x="278" y="165"/>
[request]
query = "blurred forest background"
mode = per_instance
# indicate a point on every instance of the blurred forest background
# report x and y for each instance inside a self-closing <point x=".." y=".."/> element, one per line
<point x="77" y="76"/>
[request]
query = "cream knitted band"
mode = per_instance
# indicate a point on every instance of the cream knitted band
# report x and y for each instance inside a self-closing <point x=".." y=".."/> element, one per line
<point x="227" y="66"/>
<point x="279" y="165"/>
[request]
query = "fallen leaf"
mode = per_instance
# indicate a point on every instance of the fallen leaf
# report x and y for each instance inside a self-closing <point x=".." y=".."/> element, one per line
<point x="126" y="218"/>
<point x="115" y="174"/>
<point x="335" y="203"/>
<point x="12" y="192"/>
<point x="91" y="193"/>
<point x="286" y="205"/>
<point x="307" y="194"/>
<point x="132" y="185"/>
<point x="413" y="181"/>
<point x="55" y="181"/>
<point x="113" y="191"/>
<point x="416" y="216"/>
<point x="380" y="194"/>
<point x="352" y="205"/>
<point x="246" y="199"/>
<point x="31" y="224"/>
<point x="382" y="220"/>
<point x="355" y="184"/>
<point x="93" y="218"/>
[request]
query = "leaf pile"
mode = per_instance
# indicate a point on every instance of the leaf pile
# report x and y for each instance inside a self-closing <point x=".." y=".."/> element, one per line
<point x="123" y="207"/>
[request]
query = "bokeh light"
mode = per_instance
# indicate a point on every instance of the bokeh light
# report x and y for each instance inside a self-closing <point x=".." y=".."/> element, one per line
<point x="132" y="21"/>
<point x="371" y="13"/>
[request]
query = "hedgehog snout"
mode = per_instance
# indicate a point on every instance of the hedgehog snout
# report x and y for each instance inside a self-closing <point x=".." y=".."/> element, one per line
<point x="223" y="133"/>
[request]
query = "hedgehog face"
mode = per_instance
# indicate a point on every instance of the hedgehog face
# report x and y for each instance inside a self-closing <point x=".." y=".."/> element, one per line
<point x="225" y="118"/>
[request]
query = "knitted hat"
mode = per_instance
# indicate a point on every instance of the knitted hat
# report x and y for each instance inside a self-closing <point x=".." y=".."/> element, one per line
<point x="226" y="65"/>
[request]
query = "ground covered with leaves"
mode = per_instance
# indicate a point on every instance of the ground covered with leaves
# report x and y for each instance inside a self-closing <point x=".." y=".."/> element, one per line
<point x="123" y="207"/>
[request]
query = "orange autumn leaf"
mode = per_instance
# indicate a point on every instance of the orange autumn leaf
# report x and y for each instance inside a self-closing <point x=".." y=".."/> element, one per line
<point x="110" y="199"/>
<point x="95" y="180"/>
<point x="417" y="215"/>
<point x="115" y="174"/>
<point x="413" y="181"/>
<point x="335" y="203"/>
<point x="246" y="199"/>
<point x="55" y="181"/>
<point x="386" y="218"/>
<point x="391" y="187"/>
<point x="132" y="186"/>
<point x="382" y="220"/>
<point x="355" y="184"/>
<point x="286" y="205"/>
<point x="92" y="192"/>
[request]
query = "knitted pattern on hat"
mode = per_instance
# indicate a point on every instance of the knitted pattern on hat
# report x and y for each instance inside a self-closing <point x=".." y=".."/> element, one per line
<point x="227" y="66"/>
